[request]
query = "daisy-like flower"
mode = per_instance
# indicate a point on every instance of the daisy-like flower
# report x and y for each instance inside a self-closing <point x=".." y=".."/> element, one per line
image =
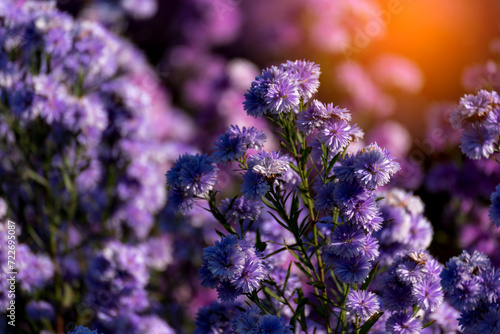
<point x="335" y="134"/>
<point x="362" y="303"/>
<point x="374" y="166"/>
<point x="254" y="185"/>
<point x="325" y="199"/>
<point x="347" y="241"/>
<point x="352" y="270"/>
<point x="306" y="74"/>
<point x="403" y="323"/>
<point x="478" y="142"/>
<point x="269" y="164"/>
<point x="428" y="294"/>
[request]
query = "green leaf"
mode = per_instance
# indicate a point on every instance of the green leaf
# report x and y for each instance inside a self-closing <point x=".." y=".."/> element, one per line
<point x="219" y="233"/>
<point x="370" y="322"/>
<point x="370" y="277"/>
<point x="270" y="293"/>
<point x="379" y="199"/>
<point x="428" y="324"/>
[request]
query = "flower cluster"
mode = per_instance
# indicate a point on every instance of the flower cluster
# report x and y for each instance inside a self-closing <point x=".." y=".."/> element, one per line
<point x="412" y="279"/>
<point x="478" y="118"/>
<point x="281" y="89"/>
<point x="472" y="285"/>
<point x="233" y="144"/>
<point x="263" y="168"/>
<point x="191" y="176"/>
<point x="406" y="228"/>
<point x="83" y="330"/>
<point x="233" y="266"/>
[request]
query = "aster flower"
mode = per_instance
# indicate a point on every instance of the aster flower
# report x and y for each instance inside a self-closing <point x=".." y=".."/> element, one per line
<point x="325" y="200"/>
<point x="495" y="207"/>
<point x="215" y="318"/>
<point x="474" y="109"/>
<point x="347" y="241"/>
<point x="352" y="270"/>
<point x="254" y="185"/>
<point x="269" y="164"/>
<point x="335" y="134"/>
<point x="282" y="96"/>
<point x="362" y="303"/>
<point x="271" y="324"/>
<point x="273" y="92"/>
<point x="306" y="73"/>
<point x="428" y="294"/>
<point x="312" y="118"/>
<point x="247" y="321"/>
<point x="233" y="144"/>
<point x="490" y="323"/>
<point x="466" y="294"/>
<point x="198" y="175"/>
<point x="374" y="166"/>
<point x="490" y="288"/>
<point x="403" y="323"/>
<point x="232" y="266"/>
<point x="478" y="141"/>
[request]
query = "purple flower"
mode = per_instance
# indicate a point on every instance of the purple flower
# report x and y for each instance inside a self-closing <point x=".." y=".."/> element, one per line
<point x="347" y="241"/>
<point x="282" y="96"/>
<point x="374" y="166"/>
<point x="495" y="207"/>
<point x="474" y="109"/>
<point x="325" y="200"/>
<point x="428" y="294"/>
<point x="478" y="141"/>
<point x="215" y="318"/>
<point x="362" y="303"/>
<point x="403" y="323"/>
<point x="466" y="294"/>
<point x="254" y="186"/>
<point x="311" y="118"/>
<point x="306" y="73"/>
<point x="232" y="266"/>
<point x="335" y="134"/>
<point x="233" y="144"/>
<point x="352" y="270"/>
<point x="247" y="321"/>
<point x="269" y="164"/>
<point x="490" y="288"/>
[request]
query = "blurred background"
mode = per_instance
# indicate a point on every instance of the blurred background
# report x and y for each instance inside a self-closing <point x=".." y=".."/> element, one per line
<point x="400" y="66"/>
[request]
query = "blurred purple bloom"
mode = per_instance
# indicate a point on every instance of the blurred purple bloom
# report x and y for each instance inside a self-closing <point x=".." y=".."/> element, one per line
<point x="403" y="323"/>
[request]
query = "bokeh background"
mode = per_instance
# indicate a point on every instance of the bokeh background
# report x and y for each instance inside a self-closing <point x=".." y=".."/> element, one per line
<point x="400" y="66"/>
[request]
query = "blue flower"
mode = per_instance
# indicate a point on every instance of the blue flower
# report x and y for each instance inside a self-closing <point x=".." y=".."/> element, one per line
<point x="352" y="270"/>
<point x="254" y="185"/>
<point x="428" y="294"/>
<point x="271" y="324"/>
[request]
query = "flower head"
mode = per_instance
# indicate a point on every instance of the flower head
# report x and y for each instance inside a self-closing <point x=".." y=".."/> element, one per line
<point x="362" y="303"/>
